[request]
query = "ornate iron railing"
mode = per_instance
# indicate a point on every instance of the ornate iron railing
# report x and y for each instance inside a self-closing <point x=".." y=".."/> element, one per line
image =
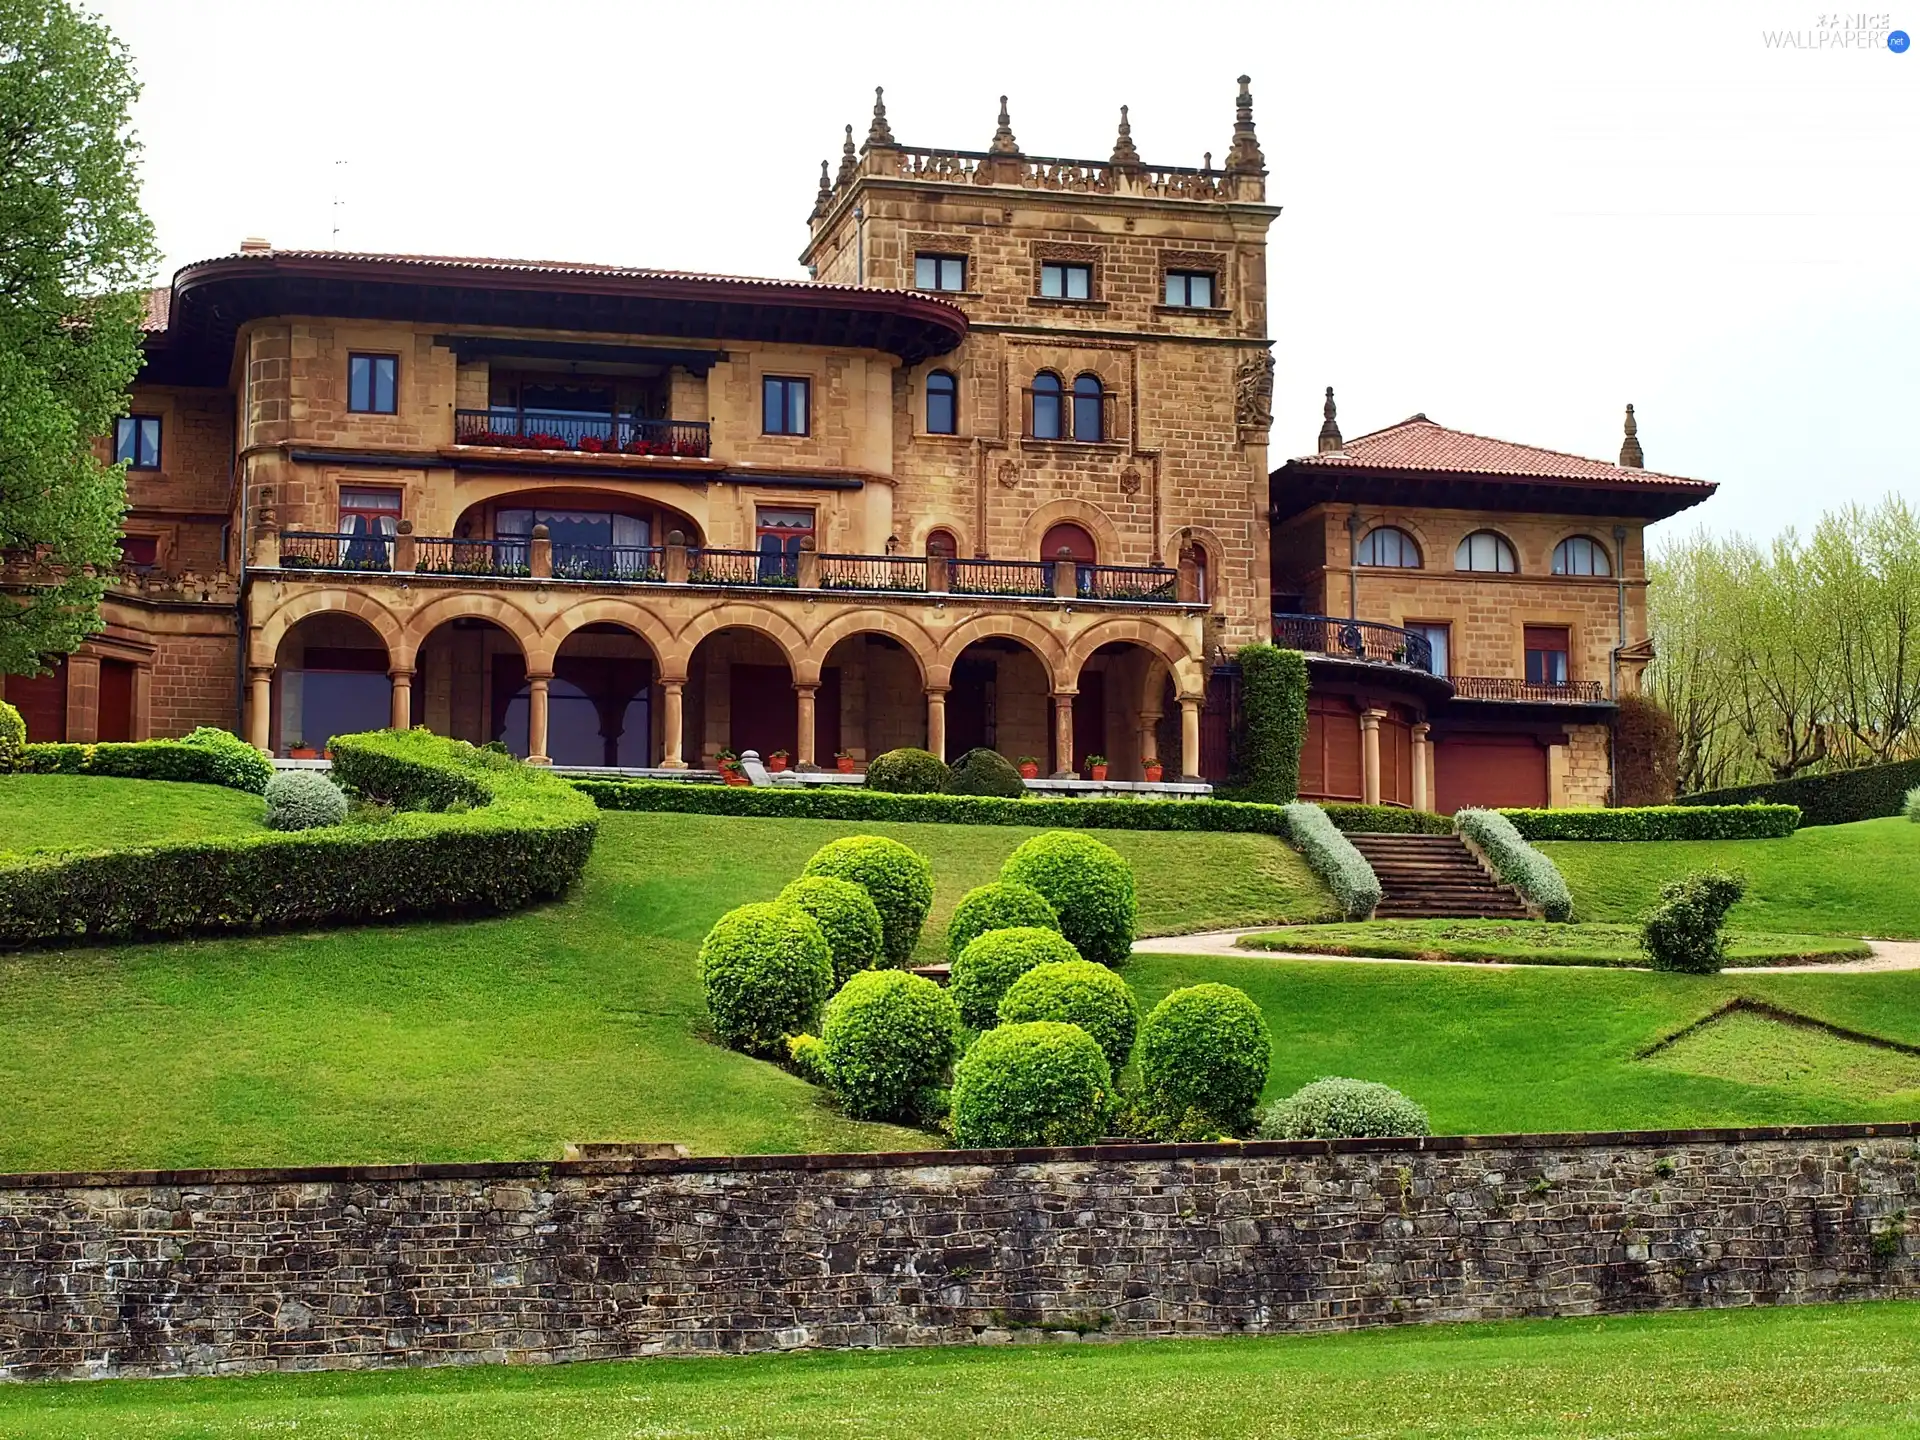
<point x="1127" y="582"/>
<point x="1499" y="687"/>
<point x="609" y="562"/>
<point x="1000" y="577"/>
<point x="590" y="434"/>
<point x="1353" y="640"/>
<point x="457" y="555"/>
<point x="907" y="573"/>
<point x="313" y="550"/>
<point x="741" y="567"/>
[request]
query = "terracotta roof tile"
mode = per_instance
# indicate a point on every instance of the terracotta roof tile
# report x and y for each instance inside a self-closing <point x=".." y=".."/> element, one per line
<point x="158" y="303"/>
<point x="1418" y="444"/>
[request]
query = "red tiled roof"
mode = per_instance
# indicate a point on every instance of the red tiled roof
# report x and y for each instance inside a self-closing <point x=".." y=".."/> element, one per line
<point x="158" y="303"/>
<point x="1418" y="444"/>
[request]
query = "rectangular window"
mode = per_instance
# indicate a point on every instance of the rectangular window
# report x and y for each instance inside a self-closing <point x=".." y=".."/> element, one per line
<point x="136" y="441"/>
<point x="777" y="535"/>
<point x="139" y="552"/>
<point x="1066" y="282"/>
<point x="1439" y="639"/>
<point x="1191" y="289"/>
<point x="939" y="272"/>
<point x="372" y="384"/>
<point x="1547" y="647"/>
<point x="783" y="404"/>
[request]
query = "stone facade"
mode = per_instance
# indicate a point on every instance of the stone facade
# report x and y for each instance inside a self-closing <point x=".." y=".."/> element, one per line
<point x="227" y="1272"/>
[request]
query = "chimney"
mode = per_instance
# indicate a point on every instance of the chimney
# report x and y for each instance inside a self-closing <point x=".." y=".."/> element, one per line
<point x="1631" y="454"/>
<point x="256" y="245"/>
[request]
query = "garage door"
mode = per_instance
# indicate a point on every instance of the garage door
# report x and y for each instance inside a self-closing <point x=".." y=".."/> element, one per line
<point x="1489" y="770"/>
<point x="1330" y="757"/>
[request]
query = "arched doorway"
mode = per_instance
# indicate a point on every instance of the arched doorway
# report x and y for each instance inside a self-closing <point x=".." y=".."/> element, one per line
<point x="329" y="678"/>
<point x="872" y="698"/>
<point x="1001" y="698"/>
<point x="1125" y="708"/>
<point x="740" y="697"/>
<point x="601" y="699"/>
<point x="469" y="672"/>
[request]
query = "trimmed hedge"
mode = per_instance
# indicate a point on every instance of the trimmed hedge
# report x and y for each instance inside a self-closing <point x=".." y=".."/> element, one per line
<point x="899" y="880"/>
<point x="985" y="772"/>
<point x="1040" y="1083"/>
<point x="982" y="972"/>
<point x="848" y="918"/>
<point x="767" y="970"/>
<point x="1273" y="722"/>
<point x="525" y="838"/>
<point x="1837" y="798"/>
<point x="13" y="737"/>
<point x="886" y="1041"/>
<point x="1334" y="1108"/>
<point x="208" y="756"/>
<point x="1537" y="878"/>
<point x="1078" y="992"/>
<point x="1000" y="905"/>
<point x="1331" y="856"/>
<point x="907" y="772"/>
<point x="1385" y="820"/>
<point x="1090" y="886"/>
<point x="1646" y="753"/>
<point x="1204" y="1053"/>
<point x="1659" y="822"/>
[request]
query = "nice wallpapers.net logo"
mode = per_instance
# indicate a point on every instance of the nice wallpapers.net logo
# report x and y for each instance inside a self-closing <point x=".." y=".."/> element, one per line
<point x="1862" y="32"/>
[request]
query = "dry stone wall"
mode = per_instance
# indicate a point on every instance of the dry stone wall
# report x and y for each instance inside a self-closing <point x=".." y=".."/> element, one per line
<point x="209" y="1272"/>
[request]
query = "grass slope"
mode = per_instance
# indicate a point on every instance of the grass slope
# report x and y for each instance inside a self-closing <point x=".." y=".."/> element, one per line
<point x="495" y="1038"/>
<point x="68" y="812"/>
<point x="1833" y="1371"/>
<point x="1861" y="879"/>
<point x="1530" y="942"/>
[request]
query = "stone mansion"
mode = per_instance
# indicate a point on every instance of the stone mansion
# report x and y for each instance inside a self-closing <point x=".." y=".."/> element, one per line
<point x="996" y="475"/>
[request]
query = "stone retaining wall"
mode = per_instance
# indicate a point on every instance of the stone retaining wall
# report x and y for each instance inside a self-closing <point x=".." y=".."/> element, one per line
<point x="200" y="1272"/>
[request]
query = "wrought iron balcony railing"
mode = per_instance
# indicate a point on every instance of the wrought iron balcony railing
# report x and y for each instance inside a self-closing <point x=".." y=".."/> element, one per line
<point x="1000" y="577"/>
<point x="587" y="434"/>
<point x="1499" y="687"/>
<point x="446" y="556"/>
<point x="1353" y="640"/>
<point x="313" y="550"/>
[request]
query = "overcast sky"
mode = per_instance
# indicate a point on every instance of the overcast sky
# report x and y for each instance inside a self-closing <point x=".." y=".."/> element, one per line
<point x="1515" y="218"/>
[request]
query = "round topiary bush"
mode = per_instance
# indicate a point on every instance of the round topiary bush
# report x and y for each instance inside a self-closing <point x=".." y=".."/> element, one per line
<point x="1078" y="992"/>
<point x="304" y="800"/>
<point x="847" y="917"/>
<point x="235" y="763"/>
<point x="1089" y="885"/>
<point x="1001" y="905"/>
<point x="1335" y="1108"/>
<point x="991" y="962"/>
<point x="1204" y="1052"/>
<point x="907" y="772"/>
<point x="887" y="1040"/>
<point x="1039" y="1083"/>
<point x="897" y="880"/>
<point x="13" y="737"/>
<point x="767" y="970"/>
<point x="985" y="772"/>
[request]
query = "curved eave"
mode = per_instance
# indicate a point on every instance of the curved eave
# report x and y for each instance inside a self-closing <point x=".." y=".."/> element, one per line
<point x="211" y="300"/>
<point x="1295" y="487"/>
<point x="1433" y="689"/>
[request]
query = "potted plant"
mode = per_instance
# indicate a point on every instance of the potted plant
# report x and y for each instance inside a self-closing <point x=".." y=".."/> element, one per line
<point x="729" y="766"/>
<point x="1154" y="770"/>
<point x="777" y="761"/>
<point x="843" y="761"/>
<point x="298" y="749"/>
<point x="1096" y="767"/>
<point x="1029" y="767"/>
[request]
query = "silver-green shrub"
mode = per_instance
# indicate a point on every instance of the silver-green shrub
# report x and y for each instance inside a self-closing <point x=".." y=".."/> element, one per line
<point x="1537" y="878"/>
<point x="1335" y="1108"/>
<point x="304" y="800"/>
<point x="1910" y="807"/>
<point x="1331" y="856"/>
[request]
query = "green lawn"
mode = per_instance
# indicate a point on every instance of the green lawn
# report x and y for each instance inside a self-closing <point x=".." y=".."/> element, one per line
<point x="65" y="812"/>
<point x="1532" y="942"/>
<point x="1861" y="879"/>
<point x="1828" y="1371"/>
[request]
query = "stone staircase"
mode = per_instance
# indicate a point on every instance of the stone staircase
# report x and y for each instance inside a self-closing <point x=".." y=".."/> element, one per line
<point x="1434" y="877"/>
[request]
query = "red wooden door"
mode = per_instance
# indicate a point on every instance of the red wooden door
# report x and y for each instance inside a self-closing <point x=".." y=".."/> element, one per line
<point x="41" y="701"/>
<point x="116" y="700"/>
<point x="1489" y="771"/>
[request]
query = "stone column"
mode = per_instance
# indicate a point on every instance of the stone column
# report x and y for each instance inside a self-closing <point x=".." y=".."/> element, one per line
<point x="143" y="702"/>
<point x="260" y="707"/>
<point x="402" y="718"/>
<point x="537" y="720"/>
<point x="672" y="725"/>
<point x="1063" y="734"/>
<point x="1190" y="737"/>
<point x="803" y="758"/>
<point x="1149" y="739"/>
<point x="937" y="720"/>
<point x="83" y="699"/>
<point x="1370" y="755"/>
<point x="1422" y="768"/>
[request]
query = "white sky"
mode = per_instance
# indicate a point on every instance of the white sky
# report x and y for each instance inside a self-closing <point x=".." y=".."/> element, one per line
<point x="1515" y="218"/>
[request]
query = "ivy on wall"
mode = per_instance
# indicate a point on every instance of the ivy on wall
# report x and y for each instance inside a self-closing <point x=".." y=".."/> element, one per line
<point x="1273" y="722"/>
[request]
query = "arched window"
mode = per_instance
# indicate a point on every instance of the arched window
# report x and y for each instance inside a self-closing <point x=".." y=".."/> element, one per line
<point x="1485" y="551"/>
<point x="1202" y="582"/>
<point x="942" y="543"/>
<point x="1046" y="406"/>
<point x="1088" y="411"/>
<point x="943" y="403"/>
<point x="1581" y="555"/>
<point x="1069" y="537"/>
<point x="1389" y="548"/>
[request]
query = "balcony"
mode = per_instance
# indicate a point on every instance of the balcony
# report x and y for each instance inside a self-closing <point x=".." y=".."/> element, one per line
<point x="583" y="434"/>
<point x="1362" y="640"/>
<point x="1499" y="687"/>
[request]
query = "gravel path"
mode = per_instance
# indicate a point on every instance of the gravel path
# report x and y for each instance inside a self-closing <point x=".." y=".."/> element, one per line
<point x="1887" y="955"/>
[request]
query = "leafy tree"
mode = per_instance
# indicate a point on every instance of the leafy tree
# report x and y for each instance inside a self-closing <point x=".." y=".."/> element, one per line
<point x="75" y="255"/>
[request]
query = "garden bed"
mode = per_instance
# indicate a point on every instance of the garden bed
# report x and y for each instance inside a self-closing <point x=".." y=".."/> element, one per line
<point x="1532" y="942"/>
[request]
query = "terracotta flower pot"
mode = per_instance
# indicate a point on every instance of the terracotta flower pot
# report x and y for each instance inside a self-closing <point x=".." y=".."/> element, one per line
<point x="735" y="777"/>
<point x="1098" y="772"/>
<point x="1029" y="772"/>
<point x="1154" y="772"/>
<point x="303" y="752"/>
<point x="844" y="764"/>
<point x="777" y="763"/>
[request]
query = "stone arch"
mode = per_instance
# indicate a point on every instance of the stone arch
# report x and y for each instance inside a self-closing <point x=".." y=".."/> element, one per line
<point x="471" y="605"/>
<point x="669" y="495"/>
<point x="1023" y="628"/>
<point x="1083" y="513"/>
<point x="1213" y="545"/>
<point x="1435" y="554"/>
<point x="912" y="636"/>
<point x="359" y="604"/>
<point x="1157" y="640"/>
<point x="677" y="654"/>
<point x="1520" y="555"/>
<point x="962" y="537"/>
<point x="627" y="613"/>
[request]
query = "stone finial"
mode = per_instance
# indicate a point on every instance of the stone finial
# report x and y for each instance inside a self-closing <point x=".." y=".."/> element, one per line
<point x="1243" y="156"/>
<point x="1123" y="151"/>
<point x="879" y="132"/>
<point x="1631" y="455"/>
<point x="1003" y="141"/>
<point x="1206" y="162"/>
<point x="848" y="160"/>
<point x="1329" y="426"/>
<point x="824" y="197"/>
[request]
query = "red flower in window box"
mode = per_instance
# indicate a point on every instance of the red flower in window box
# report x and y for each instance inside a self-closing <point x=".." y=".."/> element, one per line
<point x="540" y="440"/>
<point x="592" y="444"/>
